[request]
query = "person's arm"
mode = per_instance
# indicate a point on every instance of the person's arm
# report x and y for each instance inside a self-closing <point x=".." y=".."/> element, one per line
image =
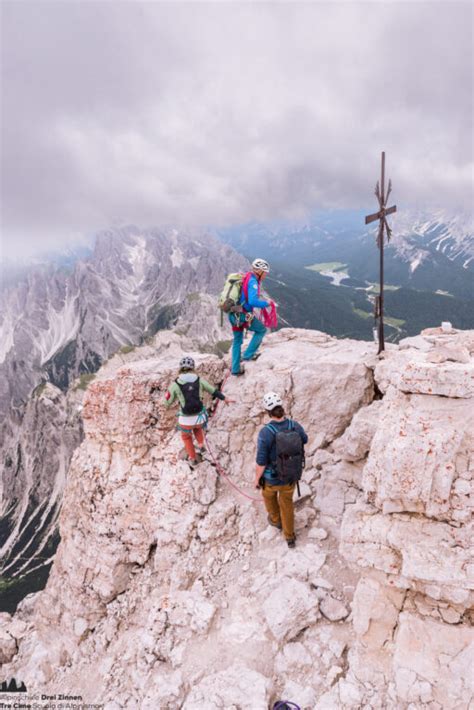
<point x="207" y="387"/>
<point x="253" y="299"/>
<point x="263" y="451"/>
<point x="258" y="474"/>
<point x="215" y="392"/>
<point x="171" y="394"/>
<point x="302" y="433"/>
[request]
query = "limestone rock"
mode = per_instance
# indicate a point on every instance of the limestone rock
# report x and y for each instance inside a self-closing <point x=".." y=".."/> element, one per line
<point x="294" y="657"/>
<point x="448" y="380"/>
<point x="433" y="662"/>
<point x="165" y="576"/>
<point x="303" y="696"/>
<point x="320" y="582"/>
<point x="333" y="609"/>
<point x="165" y="691"/>
<point x="289" y="608"/>
<point x="355" y="443"/>
<point x="446" y="353"/>
<point x="429" y="556"/>
<point x="318" y="534"/>
<point x="190" y="610"/>
<point x="338" y="375"/>
<point x="302" y="563"/>
<point x="375" y="610"/>
<point x="8" y="645"/>
<point x="338" y="486"/>
<point x="420" y="448"/>
<point x="234" y="687"/>
<point x="418" y="342"/>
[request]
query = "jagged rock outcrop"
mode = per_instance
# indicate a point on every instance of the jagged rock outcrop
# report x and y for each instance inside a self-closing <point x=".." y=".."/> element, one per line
<point x="36" y="459"/>
<point x="59" y="324"/>
<point x="170" y="590"/>
<point x="411" y="533"/>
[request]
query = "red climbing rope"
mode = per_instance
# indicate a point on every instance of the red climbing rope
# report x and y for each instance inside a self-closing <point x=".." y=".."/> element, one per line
<point x="218" y="467"/>
<point x="223" y="474"/>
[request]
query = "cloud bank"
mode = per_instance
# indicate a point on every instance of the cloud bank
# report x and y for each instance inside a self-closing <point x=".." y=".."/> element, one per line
<point x="219" y="113"/>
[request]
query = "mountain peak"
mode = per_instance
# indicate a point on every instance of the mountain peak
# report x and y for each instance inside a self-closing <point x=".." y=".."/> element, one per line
<point x="169" y="587"/>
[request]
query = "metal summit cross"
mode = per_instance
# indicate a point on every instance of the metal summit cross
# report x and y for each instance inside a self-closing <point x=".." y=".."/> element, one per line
<point x="381" y="215"/>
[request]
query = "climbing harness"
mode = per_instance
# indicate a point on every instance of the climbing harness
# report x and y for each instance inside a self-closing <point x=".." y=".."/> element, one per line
<point x="202" y="418"/>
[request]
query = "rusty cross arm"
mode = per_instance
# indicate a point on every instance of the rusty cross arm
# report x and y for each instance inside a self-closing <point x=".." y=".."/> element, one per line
<point x="380" y="214"/>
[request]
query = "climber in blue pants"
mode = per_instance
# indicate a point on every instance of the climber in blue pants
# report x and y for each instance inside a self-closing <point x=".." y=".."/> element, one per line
<point x="250" y="299"/>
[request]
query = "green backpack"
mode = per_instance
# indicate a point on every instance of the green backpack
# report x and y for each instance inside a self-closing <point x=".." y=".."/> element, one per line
<point x="229" y="300"/>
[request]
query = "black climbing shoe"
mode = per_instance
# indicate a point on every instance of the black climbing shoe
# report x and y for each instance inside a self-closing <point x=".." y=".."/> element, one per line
<point x="194" y="462"/>
<point x="240" y="372"/>
<point x="275" y="525"/>
<point x="291" y="542"/>
<point x="255" y="356"/>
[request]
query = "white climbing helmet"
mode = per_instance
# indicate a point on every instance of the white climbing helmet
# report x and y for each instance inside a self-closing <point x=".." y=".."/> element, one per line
<point x="271" y="400"/>
<point x="186" y="363"/>
<point x="261" y="265"/>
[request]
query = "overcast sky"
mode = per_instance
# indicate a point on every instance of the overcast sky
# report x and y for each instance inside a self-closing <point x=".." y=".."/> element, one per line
<point x="220" y="113"/>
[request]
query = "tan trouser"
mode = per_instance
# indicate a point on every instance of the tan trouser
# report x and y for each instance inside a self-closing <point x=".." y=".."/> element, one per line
<point x="279" y="504"/>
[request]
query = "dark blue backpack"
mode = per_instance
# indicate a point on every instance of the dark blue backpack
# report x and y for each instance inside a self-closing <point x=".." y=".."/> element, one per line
<point x="289" y="453"/>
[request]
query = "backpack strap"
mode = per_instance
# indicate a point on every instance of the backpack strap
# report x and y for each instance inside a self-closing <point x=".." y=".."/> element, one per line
<point x="291" y="426"/>
<point x="245" y="285"/>
<point x="180" y="385"/>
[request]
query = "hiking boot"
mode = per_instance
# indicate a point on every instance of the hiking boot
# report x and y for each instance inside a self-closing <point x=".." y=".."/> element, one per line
<point x="194" y="462"/>
<point x="255" y="356"/>
<point x="239" y="373"/>
<point x="275" y="525"/>
<point x="291" y="542"/>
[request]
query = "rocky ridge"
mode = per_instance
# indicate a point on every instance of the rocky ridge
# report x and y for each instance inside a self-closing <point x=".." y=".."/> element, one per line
<point x="170" y="590"/>
<point x="58" y="325"/>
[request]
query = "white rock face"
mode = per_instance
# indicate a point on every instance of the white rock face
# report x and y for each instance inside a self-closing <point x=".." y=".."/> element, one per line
<point x="57" y="324"/>
<point x="426" y="654"/>
<point x="420" y="449"/>
<point x="333" y="609"/>
<point x="412" y="533"/>
<point x="237" y="687"/>
<point x="169" y="589"/>
<point x="355" y="443"/>
<point x="290" y="608"/>
<point x="448" y="380"/>
<point x="439" y="364"/>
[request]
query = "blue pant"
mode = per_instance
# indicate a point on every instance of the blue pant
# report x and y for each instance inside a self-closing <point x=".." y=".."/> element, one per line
<point x="258" y="330"/>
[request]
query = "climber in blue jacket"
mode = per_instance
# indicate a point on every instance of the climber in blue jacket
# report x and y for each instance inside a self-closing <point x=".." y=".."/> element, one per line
<point x="249" y="299"/>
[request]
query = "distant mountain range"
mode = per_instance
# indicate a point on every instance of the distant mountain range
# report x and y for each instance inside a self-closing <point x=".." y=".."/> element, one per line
<point x="62" y="317"/>
<point x="325" y="273"/>
<point x="59" y="322"/>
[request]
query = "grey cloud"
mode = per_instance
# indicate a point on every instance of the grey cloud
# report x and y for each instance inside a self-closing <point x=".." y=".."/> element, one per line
<point x="220" y="113"/>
